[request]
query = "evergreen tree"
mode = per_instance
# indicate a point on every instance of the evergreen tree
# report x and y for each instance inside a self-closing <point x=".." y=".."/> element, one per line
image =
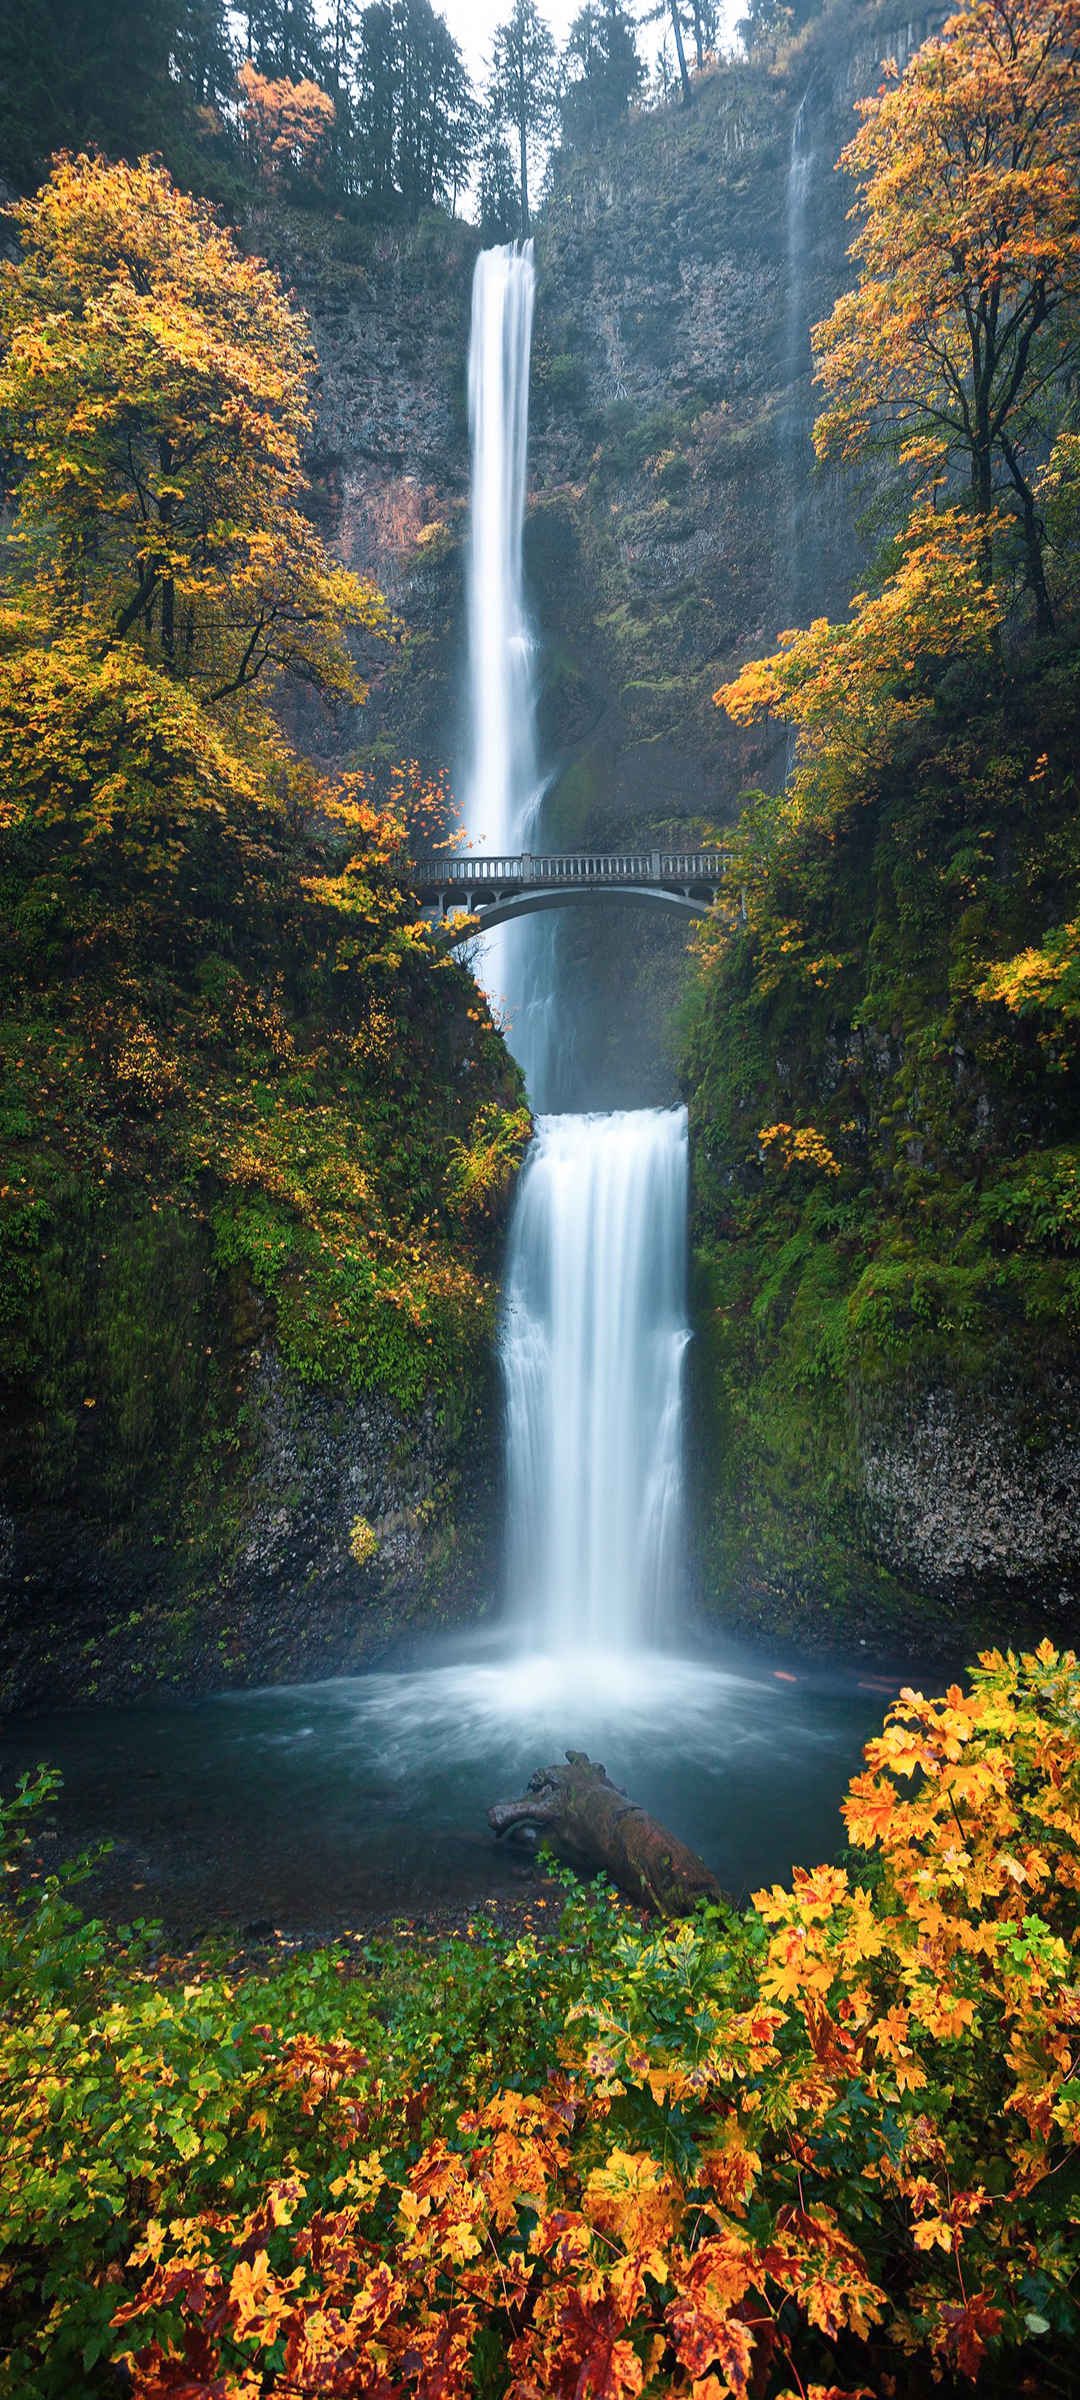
<point x="524" y="91"/>
<point x="414" y="109"/>
<point x="374" y="104"/>
<point x="436" y="111"/>
<point x="500" y="196"/>
<point x="284" y="41"/>
<point x="122" y="76"/>
<point x="684" y="19"/>
<point x="600" y="70"/>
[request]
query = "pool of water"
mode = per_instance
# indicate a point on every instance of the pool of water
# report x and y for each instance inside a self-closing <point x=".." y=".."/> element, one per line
<point x="319" y="1807"/>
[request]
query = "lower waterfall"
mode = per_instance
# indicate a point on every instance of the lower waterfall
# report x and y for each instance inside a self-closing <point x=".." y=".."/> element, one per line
<point x="593" y="1341"/>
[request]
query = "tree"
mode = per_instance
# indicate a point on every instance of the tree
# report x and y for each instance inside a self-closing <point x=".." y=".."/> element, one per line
<point x="283" y="39"/>
<point x="415" y="113"/>
<point x="130" y="75"/>
<point x="965" y="315"/>
<point x="674" y="12"/>
<point x="601" y="70"/>
<point x="436" y="112"/>
<point x="524" y="94"/>
<point x="286" y="124"/>
<point x="766" y="23"/>
<point x="852" y="690"/>
<point x="376" y="98"/>
<point x="500" y="198"/>
<point x="153" y="393"/>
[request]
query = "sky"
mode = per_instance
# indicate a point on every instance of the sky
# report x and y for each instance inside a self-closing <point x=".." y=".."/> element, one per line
<point x="472" y="23"/>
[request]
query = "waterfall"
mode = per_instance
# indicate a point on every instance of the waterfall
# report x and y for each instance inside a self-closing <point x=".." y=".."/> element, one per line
<point x="801" y="160"/>
<point x="594" y="1336"/>
<point x="594" y="1320"/>
<point x="503" y="789"/>
<point x="502" y="782"/>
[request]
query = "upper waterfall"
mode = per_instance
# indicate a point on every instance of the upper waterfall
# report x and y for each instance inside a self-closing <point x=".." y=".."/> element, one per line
<point x="503" y="787"/>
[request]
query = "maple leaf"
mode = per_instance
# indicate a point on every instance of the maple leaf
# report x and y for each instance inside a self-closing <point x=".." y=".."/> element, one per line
<point x="636" y="2201"/>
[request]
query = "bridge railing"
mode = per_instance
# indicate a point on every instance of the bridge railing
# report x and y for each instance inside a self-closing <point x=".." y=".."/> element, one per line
<point x="538" y="867"/>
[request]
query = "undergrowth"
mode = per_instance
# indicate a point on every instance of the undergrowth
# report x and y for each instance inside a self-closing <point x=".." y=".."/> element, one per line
<point x="830" y="2146"/>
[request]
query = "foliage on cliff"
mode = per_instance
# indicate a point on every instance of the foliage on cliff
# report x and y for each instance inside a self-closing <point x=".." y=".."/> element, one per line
<point x="224" y="1035"/>
<point x="964" y="325"/>
<point x="825" y="2147"/>
<point x="884" y="1080"/>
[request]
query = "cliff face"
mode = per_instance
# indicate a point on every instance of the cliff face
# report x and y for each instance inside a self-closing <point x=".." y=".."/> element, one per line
<point x="676" y="519"/>
<point x="198" y="1529"/>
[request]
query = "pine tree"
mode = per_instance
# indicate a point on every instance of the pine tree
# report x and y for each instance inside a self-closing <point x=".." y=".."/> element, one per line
<point x="500" y="197"/>
<point x="600" y="70"/>
<point x="524" y="92"/>
<point x="123" y="76"/>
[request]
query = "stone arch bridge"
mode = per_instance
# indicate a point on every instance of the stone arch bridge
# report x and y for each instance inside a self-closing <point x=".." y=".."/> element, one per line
<point x="492" y="891"/>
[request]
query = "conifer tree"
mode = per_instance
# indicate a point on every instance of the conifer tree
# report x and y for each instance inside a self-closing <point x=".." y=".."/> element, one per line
<point x="524" y="91"/>
<point x="601" y="70"/>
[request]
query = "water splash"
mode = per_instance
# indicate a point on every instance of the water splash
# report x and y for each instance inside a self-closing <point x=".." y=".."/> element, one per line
<point x="594" y="1337"/>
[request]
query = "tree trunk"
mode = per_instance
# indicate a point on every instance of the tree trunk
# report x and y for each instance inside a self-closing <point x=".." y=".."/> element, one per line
<point x="680" y="53"/>
<point x="523" y="141"/>
<point x="1033" y="533"/>
<point x="591" y="1824"/>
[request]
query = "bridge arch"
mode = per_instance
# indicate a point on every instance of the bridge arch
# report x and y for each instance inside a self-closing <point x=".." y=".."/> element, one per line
<point x="493" y="891"/>
<point x="526" y="904"/>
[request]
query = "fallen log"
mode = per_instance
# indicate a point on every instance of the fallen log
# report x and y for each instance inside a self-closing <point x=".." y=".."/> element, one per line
<point x="590" y="1824"/>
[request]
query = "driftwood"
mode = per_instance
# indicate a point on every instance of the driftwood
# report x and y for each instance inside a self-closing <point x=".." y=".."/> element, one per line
<point x="591" y="1824"/>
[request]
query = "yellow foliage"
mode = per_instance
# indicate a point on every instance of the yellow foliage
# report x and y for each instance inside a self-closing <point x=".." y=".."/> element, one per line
<point x="363" y="1541"/>
<point x="798" y="1146"/>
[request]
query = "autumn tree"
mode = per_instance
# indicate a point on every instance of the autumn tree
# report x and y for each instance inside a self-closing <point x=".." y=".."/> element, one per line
<point x="286" y="125"/>
<point x="964" y="318"/>
<point x="153" y="392"/>
<point x="524" y="93"/>
<point x="851" y="690"/>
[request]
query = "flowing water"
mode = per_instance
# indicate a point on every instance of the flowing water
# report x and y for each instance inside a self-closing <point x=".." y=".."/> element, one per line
<point x="503" y="789"/>
<point x="594" y="1336"/>
<point x="595" y="1314"/>
<point x="800" y="174"/>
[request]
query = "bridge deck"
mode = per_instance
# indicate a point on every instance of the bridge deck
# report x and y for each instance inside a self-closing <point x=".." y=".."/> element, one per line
<point x="444" y="878"/>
